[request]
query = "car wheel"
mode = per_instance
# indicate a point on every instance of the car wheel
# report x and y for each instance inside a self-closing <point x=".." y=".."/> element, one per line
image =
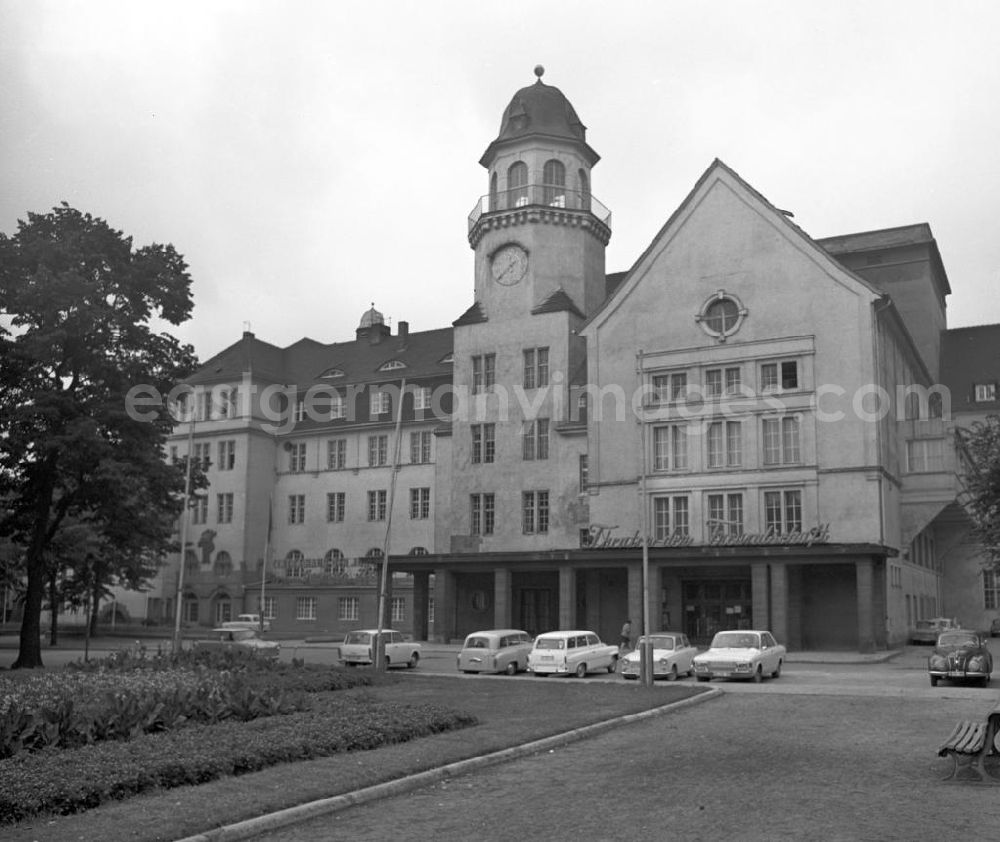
<point x="704" y="678"/>
<point x="629" y="677"/>
<point x="613" y="666"/>
<point x="934" y="681"/>
<point x="758" y="676"/>
<point x="414" y="660"/>
<point x="581" y="670"/>
<point x="984" y="681"/>
<point x="511" y="668"/>
<point x="540" y="674"/>
<point x="672" y="675"/>
<point x="777" y="672"/>
<point x="387" y="662"/>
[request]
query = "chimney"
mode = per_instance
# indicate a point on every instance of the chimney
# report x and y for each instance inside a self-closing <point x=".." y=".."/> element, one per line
<point x="404" y="330"/>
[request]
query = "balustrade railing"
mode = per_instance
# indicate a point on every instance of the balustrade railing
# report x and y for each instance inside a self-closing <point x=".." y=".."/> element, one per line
<point x="545" y="195"/>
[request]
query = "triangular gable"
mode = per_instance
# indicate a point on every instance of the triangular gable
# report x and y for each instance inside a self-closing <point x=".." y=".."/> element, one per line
<point x="718" y="172"/>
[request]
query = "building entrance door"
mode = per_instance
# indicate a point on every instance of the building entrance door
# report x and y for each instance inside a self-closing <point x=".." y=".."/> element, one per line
<point x="536" y="610"/>
<point x="716" y="605"/>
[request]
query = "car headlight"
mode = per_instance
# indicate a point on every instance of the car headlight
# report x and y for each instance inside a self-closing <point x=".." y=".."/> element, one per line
<point x="938" y="662"/>
<point x="700" y="666"/>
<point x="976" y="663"/>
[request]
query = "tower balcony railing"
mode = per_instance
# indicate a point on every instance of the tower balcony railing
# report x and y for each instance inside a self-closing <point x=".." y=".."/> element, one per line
<point x="539" y="195"/>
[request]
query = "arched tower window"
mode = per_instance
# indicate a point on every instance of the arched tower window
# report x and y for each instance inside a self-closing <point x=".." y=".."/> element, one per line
<point x="493" y="192"/>
<point x="581" y="177"/>
<point x="223" y="564"/>
<point x="554" y="183"/>
<point x="333" y="562"/>
<point x="517" y="184"/>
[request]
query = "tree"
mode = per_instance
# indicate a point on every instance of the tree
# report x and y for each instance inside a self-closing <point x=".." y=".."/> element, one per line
<point x="78" y="300"/>
<point x="981" y="482"/>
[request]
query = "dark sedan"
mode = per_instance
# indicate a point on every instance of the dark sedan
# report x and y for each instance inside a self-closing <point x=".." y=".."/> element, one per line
<point x="960" y="656"/>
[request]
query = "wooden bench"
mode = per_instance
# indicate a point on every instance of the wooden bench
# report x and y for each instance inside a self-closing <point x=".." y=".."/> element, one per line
<point x="970" y="743"/>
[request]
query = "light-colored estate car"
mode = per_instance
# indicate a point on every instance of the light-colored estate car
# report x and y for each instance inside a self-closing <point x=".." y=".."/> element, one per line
<point x="495" y="650"/>
<point x="247" y="621"/>
<point x="358" y="648"/>
<point x="740" y="654"/>
<point x="571" y="652"/>
<point x="243" y="640"/>
<point x="673" y="655"/>
<point x="927" y="631"/>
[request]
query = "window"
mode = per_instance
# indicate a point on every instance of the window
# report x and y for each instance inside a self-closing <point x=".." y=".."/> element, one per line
<point x="420" y="447"/>
<point x="224" y="508"/>
<point x="420" y="503"/>
<point x="734" y="381"/>
<point x="670" y="387"/>
<point x="483" y="372"/>
<point x="348" y="608"/>
<point x="536" y="368"/>
<point x="986" y="392"/>
<point x="392" y="365"/>
<point x="296" y="457"/>
<point x="376" y="505"/>
<point x="783" y="511"/>
<point x="535" y="439"/>
<point x="202" y="456"/>
<point x="296" y="508"/>
<point x="199" y="509"/>
<point x="713" y="382"/>
<point x="554" y="183"/>
<point x="379" y="403"/>
<point x="517" y="184"/>
<point x="227" y="455"/>
<point x="783" y="375"/>
<point x="781" y="440"/>
<point x="670" y="447"/>
<point x="422" y="397"/>
<point x="584" y="182"/>
<point x="333" y="562"/>
<point x="670" y="517"/>
<point x="721" y="316"/>
<point x="336" y="454"/>
<point x="584" y="472"/>
<point x="335" y="504"/>
<point x="991" y="589"/>
<point x="223" y="565"/>
<point x="299" y="413"/>
<point x="204" y="406"/>
<point x="229" y="403"/>
<point x="483" y="443"/>
<point x="294" y="564"/>
<point x="725" y="515"/>
<point x="378" y="450"/>
<point x="535" y="512"/>
<point x="925" y="456"/>
<point x="305" y="608"/>
<point x="270" y="610"/>
<point x="483" y="511"/>
<point x="398" y="611"/>
<point x="725" y="444"/>
<point x="336" y="406"/>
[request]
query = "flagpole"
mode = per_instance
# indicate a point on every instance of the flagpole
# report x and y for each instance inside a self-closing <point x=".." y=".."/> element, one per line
<point x="263" y="567"/>
<point x="646" y="651"/>
<point x="185" y="517"/>
<point x="384" y="588"/>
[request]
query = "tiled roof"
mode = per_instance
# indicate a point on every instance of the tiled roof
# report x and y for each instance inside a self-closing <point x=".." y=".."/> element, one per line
<point x="970" y="356"/>
<point x="473" y="316"/>
<point x="558" y="302"/>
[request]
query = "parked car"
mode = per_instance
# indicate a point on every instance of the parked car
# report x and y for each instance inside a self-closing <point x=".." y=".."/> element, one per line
<point x="495" y="650"/>
<point x="247" y="621"/>
<point x="927" y="631"/>
<point x="243" y="640"/>
<point x="750" y="654"/>
<point x="673" y="655"/>
<point x="565" y="652"/>
<point x="358" y="648"/>
<point x="960" y="655"/>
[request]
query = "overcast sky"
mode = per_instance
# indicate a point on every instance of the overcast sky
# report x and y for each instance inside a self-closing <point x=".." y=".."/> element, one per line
<point x="309" y="158"/>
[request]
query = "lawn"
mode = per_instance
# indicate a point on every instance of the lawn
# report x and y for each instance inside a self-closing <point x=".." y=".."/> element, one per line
<point x="509" y="712"/>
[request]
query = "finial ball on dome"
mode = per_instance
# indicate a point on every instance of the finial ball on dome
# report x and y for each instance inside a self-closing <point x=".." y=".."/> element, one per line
<point x="539" y="70"/>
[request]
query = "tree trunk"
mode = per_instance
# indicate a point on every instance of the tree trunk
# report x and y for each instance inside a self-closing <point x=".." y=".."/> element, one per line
<point x="29" y="655"/>
<point x="95" y="602"/>
<point x="54" y="609"/>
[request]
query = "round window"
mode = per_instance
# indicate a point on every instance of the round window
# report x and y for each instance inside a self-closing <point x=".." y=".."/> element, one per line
<point x="721" y="315"/>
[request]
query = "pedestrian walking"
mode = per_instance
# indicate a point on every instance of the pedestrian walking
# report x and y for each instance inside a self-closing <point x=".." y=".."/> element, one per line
<point x="625" y="640"/>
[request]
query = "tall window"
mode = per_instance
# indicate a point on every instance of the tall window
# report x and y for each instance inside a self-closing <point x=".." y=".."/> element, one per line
<point x="725" y="444"/>
<point x="420" y="503"/>
<point x="725" y="515"/>
<point x="420" y="447"/>
<point x="336" y="454"/>
<point x="305" y="608"/>
<point x="224" y="507"/>
<point x="991" y="589"/>
<point x="202" y="455"/>
<point x="782" y="375"/>
<point x="713" y="382"/>
<point x="299" y="412"/>
<point x="781" y="440"/>
<point x="783" y="511"/>
<point x="483" y="443"/>
<point x="734" y="380"/>
<point x="670" y="387"/>
<point x="924" y="455"/>
<point x="584" y="183"/>
<point x="536" y="368"/>
<point x="335" y="505"/>
<point x="378" y="450"/>
<point x="379" y="403"/>
<point x="376" y="505"/>
<point x="483" y="512"/>
<point x="554" y="183"/>
<point x="493" y="193"/>
<point x="422" y="397"/>
<point x="483" y="372"/>
<point x="296" y="508"/>
<point x="535" y="512"/>
<point x="517" y="184"/>
<point x="199" y="509"/>
<point x="296" y="457"/>
<point x="670" y="517"/>
<point x="535" y="439"/>
<point x="270" y="608"/>
<point x="398" y="611"/>
<point x="336" y="406"/>
<point x="670" y="447"/>
<point x="227" y="455"/>
<point x="229" y="403"/>
<point x="348" y="608"/>
<point x="584" y="472"/>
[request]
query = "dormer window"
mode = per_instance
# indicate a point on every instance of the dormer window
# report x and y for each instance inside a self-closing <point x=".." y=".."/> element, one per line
<point x="330" y="373"/>
<point x="447" y="360"/>
<point x="986" y="392"/>
<point x="392" y="365"/>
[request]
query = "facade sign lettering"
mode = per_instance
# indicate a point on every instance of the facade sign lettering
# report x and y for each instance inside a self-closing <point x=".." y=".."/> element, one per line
<point x="601" y="538"/>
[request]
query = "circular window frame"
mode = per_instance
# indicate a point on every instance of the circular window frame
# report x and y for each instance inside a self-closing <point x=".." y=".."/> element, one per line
<point x="702" y="317"/>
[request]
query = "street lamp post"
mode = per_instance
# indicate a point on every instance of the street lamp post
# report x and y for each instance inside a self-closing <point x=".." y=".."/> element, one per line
<point x="184" y="530"/>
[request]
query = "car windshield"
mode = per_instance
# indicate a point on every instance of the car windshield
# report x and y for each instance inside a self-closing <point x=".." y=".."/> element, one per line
<point x="958" y="639"/>
<point x="358" y="637"/>
<point x="734" y="640"/>
<point x="658" y="641"/>
<point x="925" y="624"/>
<point x="550" y="643"/>
<point x="242" y="634"/>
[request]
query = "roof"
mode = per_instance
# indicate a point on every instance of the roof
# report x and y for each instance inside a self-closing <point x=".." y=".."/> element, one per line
<point x="558" y="302"/>
<point x="474" y="315"/>
<point x="970" y="355"/>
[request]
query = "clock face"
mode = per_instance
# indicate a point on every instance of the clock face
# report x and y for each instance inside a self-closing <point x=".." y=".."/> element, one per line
<point x="509" y="264"/>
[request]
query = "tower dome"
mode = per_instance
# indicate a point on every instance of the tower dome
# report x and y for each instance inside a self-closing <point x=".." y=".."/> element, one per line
<point x="371" y="317"/>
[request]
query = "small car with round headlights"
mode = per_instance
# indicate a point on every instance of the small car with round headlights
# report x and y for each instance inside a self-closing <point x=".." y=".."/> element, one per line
<point x="960" y="655"/>
<point x="241" y="640"/>
<point x="673" y="656"/>
<point x="750" y="654"/>
<point x="358" y="648"/>
<point x="495" y="651"/>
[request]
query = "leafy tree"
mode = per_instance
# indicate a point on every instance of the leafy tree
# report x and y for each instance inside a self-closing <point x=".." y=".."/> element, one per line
<point x="77" y="301"/>
<point x="981" y="481"/>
